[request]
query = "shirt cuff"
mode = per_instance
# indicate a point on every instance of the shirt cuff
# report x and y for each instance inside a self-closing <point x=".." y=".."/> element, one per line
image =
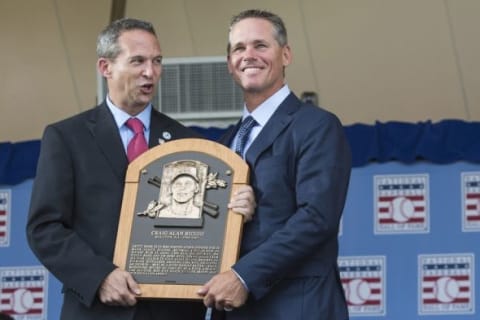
<point x="241" y="280"/>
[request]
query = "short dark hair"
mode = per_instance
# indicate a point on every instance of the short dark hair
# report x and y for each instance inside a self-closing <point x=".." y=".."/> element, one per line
<point x="280" y="30"/>
<point x="107" y="41"/>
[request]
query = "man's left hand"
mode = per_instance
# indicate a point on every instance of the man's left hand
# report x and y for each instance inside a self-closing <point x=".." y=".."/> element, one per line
<point x="243" y="202"/>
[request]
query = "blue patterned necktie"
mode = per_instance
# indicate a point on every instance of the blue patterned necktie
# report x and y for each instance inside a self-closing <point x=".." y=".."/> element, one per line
<point x="243" y="133"/>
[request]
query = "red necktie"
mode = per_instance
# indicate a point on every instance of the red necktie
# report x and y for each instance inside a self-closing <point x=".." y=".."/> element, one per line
<point x="138" y="144"/>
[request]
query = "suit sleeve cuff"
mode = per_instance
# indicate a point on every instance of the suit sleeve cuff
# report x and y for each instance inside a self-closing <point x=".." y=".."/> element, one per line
<point x="241" y="279"/>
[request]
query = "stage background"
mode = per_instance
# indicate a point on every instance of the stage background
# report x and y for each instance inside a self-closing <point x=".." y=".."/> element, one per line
<point x="408" y="240"/>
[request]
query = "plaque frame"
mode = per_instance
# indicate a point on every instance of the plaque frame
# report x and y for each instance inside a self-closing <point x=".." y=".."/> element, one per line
<point x="233" y="221"/>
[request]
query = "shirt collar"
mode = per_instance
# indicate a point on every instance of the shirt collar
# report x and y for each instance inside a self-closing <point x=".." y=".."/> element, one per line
<point x="264" y="111"/>
<point x="121" y="116"/>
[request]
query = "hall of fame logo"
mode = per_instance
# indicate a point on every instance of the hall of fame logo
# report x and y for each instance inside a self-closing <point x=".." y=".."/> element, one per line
<point x="5" y="196"/>
<point x="23" y="292"/>
<point x="401" y="203"/>
<point x="446" y="284"/>
<point x="471" y="201"/>
<point x="363" y="281"/>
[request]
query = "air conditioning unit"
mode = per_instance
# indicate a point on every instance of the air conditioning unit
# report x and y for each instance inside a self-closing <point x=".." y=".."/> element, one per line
<point x="196" y="91"/>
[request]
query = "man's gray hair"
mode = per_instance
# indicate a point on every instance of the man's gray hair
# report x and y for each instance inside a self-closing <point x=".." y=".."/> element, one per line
<point x="107" y="41"/>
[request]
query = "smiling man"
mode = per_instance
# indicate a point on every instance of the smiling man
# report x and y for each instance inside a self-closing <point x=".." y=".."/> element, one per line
<point x="300" y="167"/>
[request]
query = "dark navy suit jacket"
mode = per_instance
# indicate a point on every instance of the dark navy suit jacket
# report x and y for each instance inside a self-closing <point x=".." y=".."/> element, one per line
<point x="76" y="202"/>
<point x="300" y="167"/>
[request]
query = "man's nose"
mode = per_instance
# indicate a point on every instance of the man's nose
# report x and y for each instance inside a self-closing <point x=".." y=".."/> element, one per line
<point x="249" y="53"/>
<point x="150" y="69"/>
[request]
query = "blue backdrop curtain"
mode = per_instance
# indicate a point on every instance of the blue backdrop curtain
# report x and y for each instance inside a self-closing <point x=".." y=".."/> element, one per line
<point x="443" y="142"/>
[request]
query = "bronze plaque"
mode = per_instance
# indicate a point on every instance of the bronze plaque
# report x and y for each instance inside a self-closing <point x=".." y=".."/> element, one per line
<point x="175" y="230"/>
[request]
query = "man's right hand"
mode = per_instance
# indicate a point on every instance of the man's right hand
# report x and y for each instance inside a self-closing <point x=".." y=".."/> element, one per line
<point x="119" y="289"/>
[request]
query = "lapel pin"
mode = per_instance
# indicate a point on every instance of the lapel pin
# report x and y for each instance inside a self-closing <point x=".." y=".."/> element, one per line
<point x="166" y="135"/>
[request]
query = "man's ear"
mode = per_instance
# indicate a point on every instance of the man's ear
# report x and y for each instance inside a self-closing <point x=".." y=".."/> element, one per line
<point x="103" y="67"/>
<point x="229" y="66"/>
<point x="286" y="55"/>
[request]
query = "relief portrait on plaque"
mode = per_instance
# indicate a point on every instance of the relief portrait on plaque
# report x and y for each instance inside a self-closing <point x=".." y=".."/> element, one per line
<point x="181" y="198"/>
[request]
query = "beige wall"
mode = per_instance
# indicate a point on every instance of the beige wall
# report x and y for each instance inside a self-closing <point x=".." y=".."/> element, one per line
<point x="368" y="60"/>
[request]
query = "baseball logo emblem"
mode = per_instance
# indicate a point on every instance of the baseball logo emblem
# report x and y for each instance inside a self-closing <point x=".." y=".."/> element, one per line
<point x="445" y="284"/>
<point x="470" y="201"/>
<point x="401" y="209"/>
<point x="22" y="300"/>
<point x="357" y="291"/>
<point x="446" y="289"/>
<point x="5" y="196"/>
<point x="401" y="204"/>
<point x="364" y="285"/>
<point x="24" y="292"/>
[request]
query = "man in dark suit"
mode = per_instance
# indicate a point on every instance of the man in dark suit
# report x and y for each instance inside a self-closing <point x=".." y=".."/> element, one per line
<point x="77" y="194"/>
<point x="300" y="167"/>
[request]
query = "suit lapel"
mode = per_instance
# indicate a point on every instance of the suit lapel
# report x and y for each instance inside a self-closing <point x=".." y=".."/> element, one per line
<point x="161" y="129"/>
<point x="157" y="126"/>
<point x="105" y="132"/>
<point x="274" y="126"/>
